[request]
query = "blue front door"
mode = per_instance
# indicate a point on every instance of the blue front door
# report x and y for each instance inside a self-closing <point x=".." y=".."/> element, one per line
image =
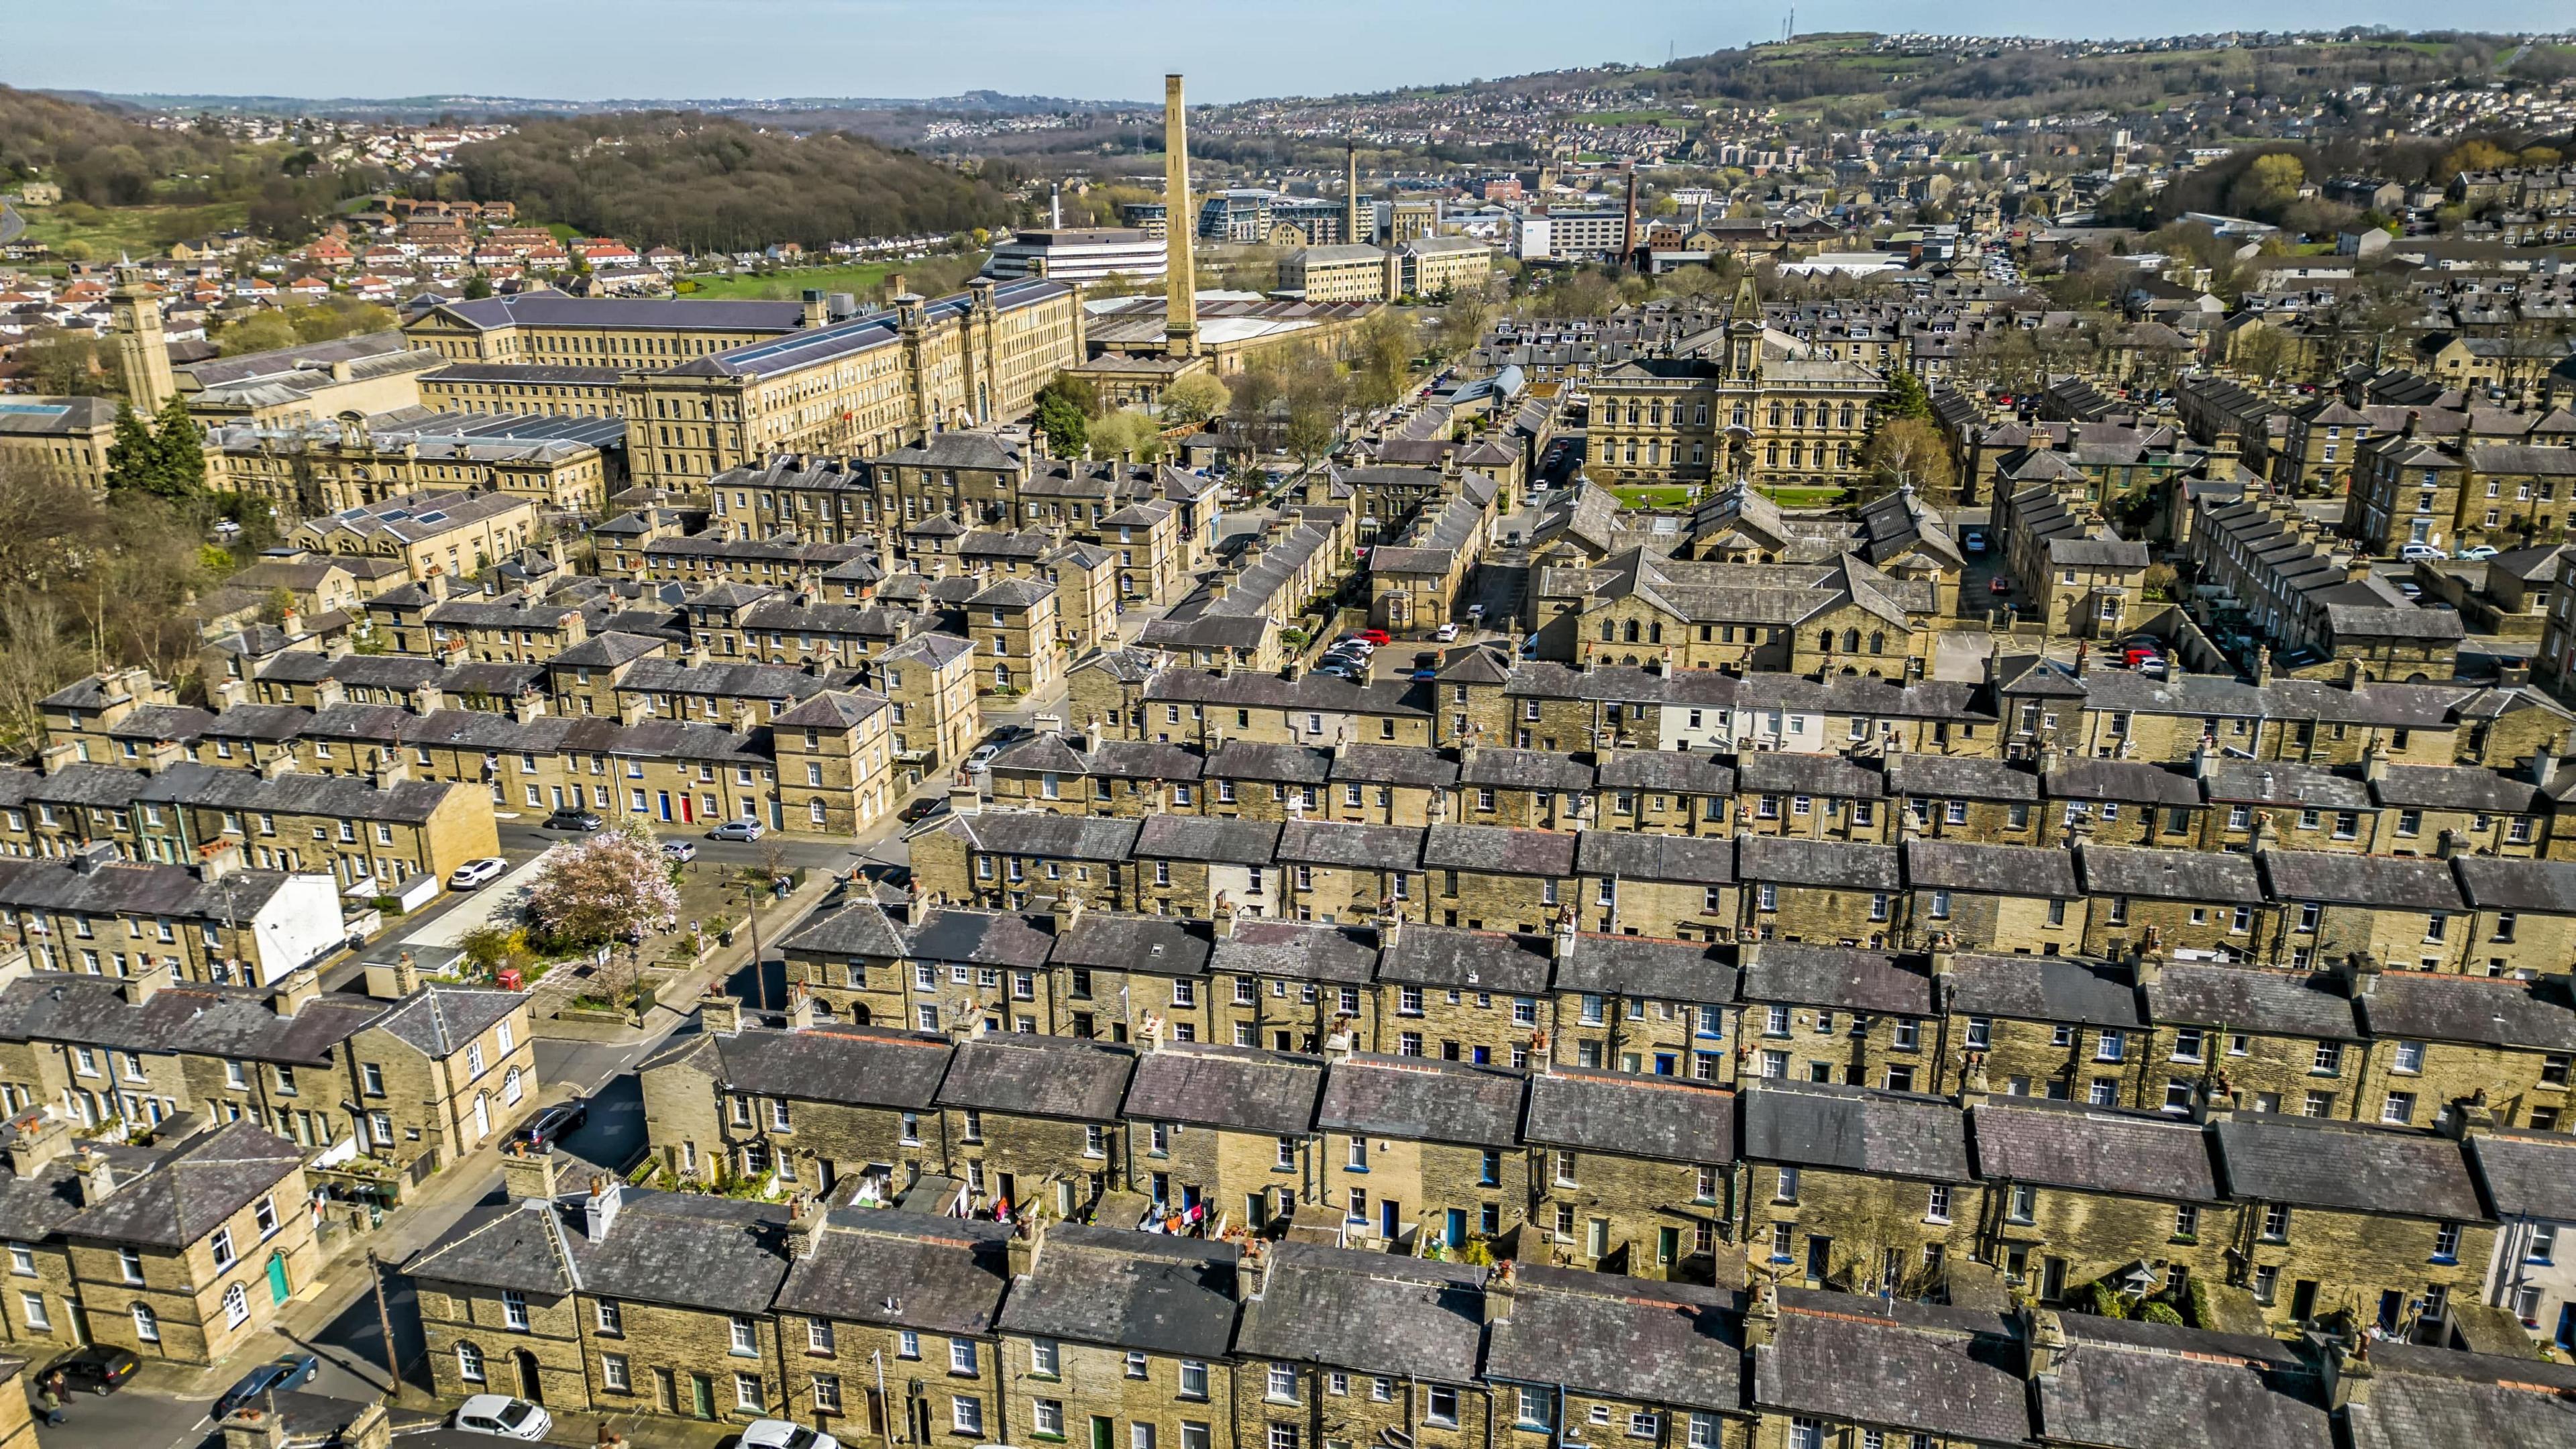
<point x="1457" y="1232"/>
<point x="1386" y="1219"/>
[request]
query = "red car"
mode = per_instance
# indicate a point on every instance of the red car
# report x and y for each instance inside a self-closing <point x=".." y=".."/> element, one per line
<point x="1999" y="586"/>
<point x="1379" y="637"/>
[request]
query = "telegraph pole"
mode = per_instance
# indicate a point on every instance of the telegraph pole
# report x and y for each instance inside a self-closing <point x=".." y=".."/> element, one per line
<point x="385" y="1326"/>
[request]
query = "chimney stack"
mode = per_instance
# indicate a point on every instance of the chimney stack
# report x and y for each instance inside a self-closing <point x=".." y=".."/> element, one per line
<point x="527" y="1176"/>
<point x="1351" y="195"/>
<point x="97" y="1178"/>
<point x="599" y="1213"/>
<point x="719" y="1014"/>
<point x="1180" y="304"/>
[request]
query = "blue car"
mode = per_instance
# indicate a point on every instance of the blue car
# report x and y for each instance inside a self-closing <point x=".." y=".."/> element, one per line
<point x="289" y="1371"/>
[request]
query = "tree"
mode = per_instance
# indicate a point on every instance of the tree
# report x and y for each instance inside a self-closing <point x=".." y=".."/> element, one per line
<point x="69" y="364"/>
<point x="2480" y="155"/>
<point x="1195" y="398"/>
<point x="613" y="886"/>
<point x="2271" y="182"/>
<point x="1067" y="431"/>
<point x="134" y="462"/>
<point x="1461" y="329"/>
<point x="1382" y="359"/>
<point x="181" y="449"/>
<point x="1127" y="434"/>
<point x="1905" y="396"/>
<point x="477" y="287"/>
<point x="1910" y="450"/>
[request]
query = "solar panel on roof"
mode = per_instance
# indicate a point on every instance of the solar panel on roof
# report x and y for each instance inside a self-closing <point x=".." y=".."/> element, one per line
<point x="431" y="517"/>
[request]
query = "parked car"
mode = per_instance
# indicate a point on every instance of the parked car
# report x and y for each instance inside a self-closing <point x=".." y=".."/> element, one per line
<point x="1476" y="613"/>
<point x="2482" y="551"/>
<point x="285" y="1372"/>
<point x="99" y="1368"/>
<point x="2140" y="648"/>
<point x="780" y="1434"/>
<point x="1445" y="633"/>
<point x="918" y="811"/>
<point x="581" y="820"/>
<point x="737" y="830"/>
<point x="679" y="850"/>
<point x="1999" y="586"/>
<point x="1374" y="637"/>
<point x="500" y="1414"/>
<point x="2418" y="553"/>
<point x="475" y="874"/>
<point x="1974" y="540"/>
<point x="1340" y="670"/>
<point x="1356" y="641"/>
<point x="553" y="1123"/>
<point x="2410" y="588"/>
<point x="982" y="758"/>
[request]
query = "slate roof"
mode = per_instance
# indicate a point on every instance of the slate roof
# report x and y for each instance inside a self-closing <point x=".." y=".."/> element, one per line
<point x="2291" y="1003"/>
<point x="2054" y="1144"/>
<point x="2533" y="1015"/>
<point x="1498" y="850"/>
<point x="1836" y="976"/>
<point x="440" y="1020"/>
<point x="2393" y="882"/>
<point x="2174" y="875"/>
<point x="1457" y="958"/>
<point x="1374" y="1312"/>
<point x="34" y="1206"/>
<point x="2421" y="1397"/>
<point x="1363" y="847"/>
<point x="1957" y="776"/>
<point x="982" y="938"/>
<point x="1039" y="1076"/>
<point x="1394" y="765"/>
<point x="1208" y="838"/>
<point x="1147" y="1291"/>
<point x="2147" y="1386"/>
<point x="1663" y="1343"/>
<point x="1691" y="859"/>
<point x="1044" y="833"/>
<point x="218" y="1021"/>
<point x="1896" y="1134"/>
<point x="1423" y="1098"/>
<point x="854" y="1065"/>
<point x="860" y="930"/>
<point x="2527" y="1174"/>
<point x="909" y="1270"/>
<point x="1952" y="1373"/>
<point x="1161" y="945"/>
<point x="1299" y="950"/>
<point x="192" y="1191"/>
<point x="2314" y="1163"/>
<point x="1830" y="864"/>
<point x="2018" y="870"/>
<point x="1667" y="1119"/>
<point x="2045" y="988"/>
<point x="1244" y="1089"/>
<point x="1645" y="966"/>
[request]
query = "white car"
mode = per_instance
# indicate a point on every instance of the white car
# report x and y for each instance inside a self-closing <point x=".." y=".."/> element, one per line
<point x="1445" y="633"/>
<point x="1476" y="612"/>
<point x="500" y="1414"/>
<point x="780" y="1434"/>
<point x="476" y="874"/>
<point x="982" y="759"/>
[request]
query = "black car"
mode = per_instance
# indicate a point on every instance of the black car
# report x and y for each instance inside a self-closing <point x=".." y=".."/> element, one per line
<point x="581" y="820"/>
<point x="555" y="1122"/>
<point x="919" y="810"/>
<point x="291" y="1371"/>
<point x="97" y="1368"/>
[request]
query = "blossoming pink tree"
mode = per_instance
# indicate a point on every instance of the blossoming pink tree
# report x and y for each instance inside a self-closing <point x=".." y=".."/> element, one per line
<point x="610" y="887"/>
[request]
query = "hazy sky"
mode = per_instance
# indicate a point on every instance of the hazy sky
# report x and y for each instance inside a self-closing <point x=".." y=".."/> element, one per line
<point x="1107" y="49"/>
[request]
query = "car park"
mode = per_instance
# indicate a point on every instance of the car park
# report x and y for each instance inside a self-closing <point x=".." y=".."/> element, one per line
<point x="502" y="1415"/>
<point x="679" y="850"/>
<point x="285" y="1372"/>
<point x="99" y="1368"/>
<point x="581" y="820"/>
<point x="476" y="874"/>
<point x="737" y="830"/>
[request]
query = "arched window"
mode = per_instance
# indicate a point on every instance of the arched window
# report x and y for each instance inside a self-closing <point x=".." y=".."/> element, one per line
<point x="1851" y="641"/>
<point x="1825" y="641"/>
<point x="1655" y="633"/>
<point x="236" y="1306"/>
<point x="147" y="1324"/>
<point x="1609" y="631"/>
<point x="1632" y="631"/>
<point x="1877" y="643"/>
<point x="512" y="1089"/>
<point x="469" y="1363"/>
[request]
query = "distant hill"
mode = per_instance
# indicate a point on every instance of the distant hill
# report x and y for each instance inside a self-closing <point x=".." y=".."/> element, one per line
<point x="99" y="157"/>
<point x="418" y="109"/>
<point x="707" y="183"/>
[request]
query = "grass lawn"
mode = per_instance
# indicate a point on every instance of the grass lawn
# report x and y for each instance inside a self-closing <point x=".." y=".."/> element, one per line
<point x="1805" y="497"/>
<point x="786" y="286"/>
<point x="1652" y="497"/>
<point x="139" y="230"/>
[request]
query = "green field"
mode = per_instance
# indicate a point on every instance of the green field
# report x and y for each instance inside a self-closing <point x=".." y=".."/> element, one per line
<point x="80" y="232"/>
<point x="1652" y="497"/>
<point x="785" y="286"/>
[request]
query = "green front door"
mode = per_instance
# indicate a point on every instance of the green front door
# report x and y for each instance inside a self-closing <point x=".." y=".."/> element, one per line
<point x="277" y="1284"/>
<point x="702" y="1395"/>
<point x="1100" y="1430"/>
